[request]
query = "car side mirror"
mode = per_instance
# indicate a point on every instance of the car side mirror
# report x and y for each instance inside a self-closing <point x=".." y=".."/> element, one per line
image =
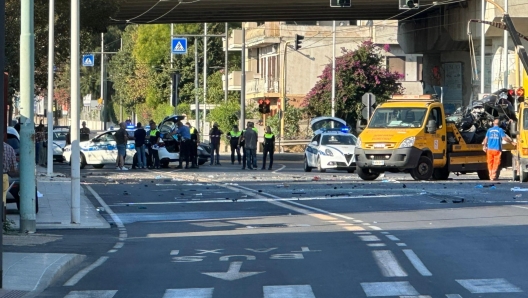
<point x="431" y="126"/>
<point x="314" y="143"/>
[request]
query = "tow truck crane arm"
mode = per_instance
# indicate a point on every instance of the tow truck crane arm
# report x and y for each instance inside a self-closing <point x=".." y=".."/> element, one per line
<point x="507" y="24"/>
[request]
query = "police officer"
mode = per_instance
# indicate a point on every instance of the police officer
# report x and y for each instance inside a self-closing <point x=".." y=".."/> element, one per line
<point x="214" y="137"/>
<point x="184" y="134"/>
<point x="234" y="136"/>
<point x="269" y="147"/>
<point x="154" y="137"/>
<point x="194" y="145"/>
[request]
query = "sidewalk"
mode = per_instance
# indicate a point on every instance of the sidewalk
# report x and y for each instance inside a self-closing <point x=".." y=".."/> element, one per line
<point x="28" y="273"/>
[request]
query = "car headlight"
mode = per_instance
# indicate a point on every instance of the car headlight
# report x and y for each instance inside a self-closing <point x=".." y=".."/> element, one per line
<point x="358" y="143"/>
<point x="408" y="142"/>
<point x="329" y="152"/>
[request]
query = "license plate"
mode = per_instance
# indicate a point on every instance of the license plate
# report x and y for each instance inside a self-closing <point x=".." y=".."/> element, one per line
<point x="378" y="162"/>
<point x="379" y="145"/>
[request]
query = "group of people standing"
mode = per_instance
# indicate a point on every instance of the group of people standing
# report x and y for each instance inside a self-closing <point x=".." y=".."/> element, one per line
<point x="245" y="141"/>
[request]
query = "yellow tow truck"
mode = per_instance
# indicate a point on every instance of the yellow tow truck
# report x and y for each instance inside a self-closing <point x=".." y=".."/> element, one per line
<point x="520" y="154"/>
<point x="409" y="133"/>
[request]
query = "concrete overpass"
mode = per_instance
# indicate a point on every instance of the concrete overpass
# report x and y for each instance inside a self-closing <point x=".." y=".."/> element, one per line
<point x="199" y="11"/>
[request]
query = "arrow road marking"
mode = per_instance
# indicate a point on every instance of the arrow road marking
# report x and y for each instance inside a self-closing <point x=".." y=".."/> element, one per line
<point x="233" y="273"/>
<point x="205" y="251"/>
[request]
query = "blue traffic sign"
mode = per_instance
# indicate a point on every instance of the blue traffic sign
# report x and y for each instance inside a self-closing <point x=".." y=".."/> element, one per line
<point x="88" y="60"/>
<point x="179" y="45"/>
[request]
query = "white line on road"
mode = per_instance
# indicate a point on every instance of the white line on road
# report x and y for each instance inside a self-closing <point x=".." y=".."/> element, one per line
<point x="369" y="238"/>
<point x="393" y="238"/>
<point x="376" y="244"/>
<point x="174" y="252"/>
<point x="189" y="293"/>
<point x="453" y="296"/>
<point x="114" y="217"/>
<point x="280" y="169"/>
<point x="91" y="294"/>
<point x="401" y="244"/>
<point x="417" y="263"/>
<point x="520" y="207"/>
<point x="79" y="275"/>
<point x="388" y="264"/>
<point x="294" y="291"/>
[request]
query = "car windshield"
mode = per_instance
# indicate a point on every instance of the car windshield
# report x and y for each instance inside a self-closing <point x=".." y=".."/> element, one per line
<point x="397" y="118"/>
<point x="525" y="119"/>
<point x="338" y="140"/>
<point x="59" y="135"/>
<point x="167" y="126"/>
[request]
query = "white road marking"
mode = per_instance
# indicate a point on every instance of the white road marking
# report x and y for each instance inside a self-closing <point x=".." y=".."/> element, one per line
<point x="337" y="221"/>
<point x="233" y="273"/>
<point x="417" y="263"/>
<point x="118" y="245"/>
<point x="369" y="238"/>
<point x="419" y="296"/>
<point x="401" y="244"/>
<point x="287" y="257"/>
<point x="388" y="264"/>
<point x="261" y="250"/>
<point x="212" y="251"/>
<point x="385" y="232"/>
<point x="112" y="251"/>
<point x="91" y="294"/>
<point x="293" y="291"/>
<point x="79" y="275"/>
<point x="483" y="286"/>
<point x="363" y="233"/>
<point x="397" y="288"/>
<point x="280" y="169"/>
<point x="520" y="207"/>
<point x="376" y="244"/>
<point x="248" y="257"/>
<point x="393" y="238"/>
<point x="189" y="293"/>
<point x="306" y="249"/>
<point x="453" y="296"/>
<point x="376" y="228"/>
<point x="357" y="220"/>
<point x="174" y="252"/>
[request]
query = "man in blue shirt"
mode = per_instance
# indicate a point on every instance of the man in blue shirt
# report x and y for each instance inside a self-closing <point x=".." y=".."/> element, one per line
<point x="493" y="147"/>
<point x="184" y="134"/>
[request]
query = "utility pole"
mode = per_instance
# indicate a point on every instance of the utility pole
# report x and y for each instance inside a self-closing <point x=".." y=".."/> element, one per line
<point x="172" y="77"/>
<point x="51" y="54"/>
<point x="226" y="67"/>
<point x="75" y="90"/>
<point x="243" y="86"/>
<point x="27" y="128"/>
<point x="103" y="97"/>
<point x="196" y="100"/>
<point x="333" y="67"/>
<point x="283" y="99"/>
<point x="205" y="80"/>
<point x="482" y="47"/>
<point x="505" y="51"/>
<point x="2" y="126"/>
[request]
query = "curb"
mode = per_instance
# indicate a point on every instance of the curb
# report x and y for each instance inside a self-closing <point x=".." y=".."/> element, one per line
<point x="54" y="271"/>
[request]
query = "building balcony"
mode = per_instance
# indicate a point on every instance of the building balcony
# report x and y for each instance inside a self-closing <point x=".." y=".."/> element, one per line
<point x="261" y="87"/>
<point x="263" y="35"/>
<point x="234" y="81"/>
<point x="234" y="41"/>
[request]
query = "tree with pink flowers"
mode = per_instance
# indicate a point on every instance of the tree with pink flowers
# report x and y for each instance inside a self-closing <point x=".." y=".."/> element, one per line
<point x="357" y="72"/>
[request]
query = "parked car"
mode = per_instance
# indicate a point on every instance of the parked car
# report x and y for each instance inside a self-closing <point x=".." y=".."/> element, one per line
<point x="332" y="146"/>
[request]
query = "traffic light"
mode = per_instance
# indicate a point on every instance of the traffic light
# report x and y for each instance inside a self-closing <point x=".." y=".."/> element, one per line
<point x="298" y="41"/>
<point x="261" y="106"/>
<point x="340" y="3"/>
<point x="520" y="94"/>
<point x="267" y="107"/>
<point x="409" y="4"/>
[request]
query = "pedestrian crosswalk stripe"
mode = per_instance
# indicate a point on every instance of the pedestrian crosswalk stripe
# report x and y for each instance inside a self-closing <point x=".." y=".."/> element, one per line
<point x="189" y="293"/>
<point x="381" y="289"/>
<point x="91" y="294"/>
<point x="388" y="263"/>
<point x="293" y="291"/>
<point x="484" y="286"/>
<point x="453" y="296"/>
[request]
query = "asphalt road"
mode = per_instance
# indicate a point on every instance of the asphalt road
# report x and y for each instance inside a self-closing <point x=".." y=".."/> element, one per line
<point x="225" y="233"/>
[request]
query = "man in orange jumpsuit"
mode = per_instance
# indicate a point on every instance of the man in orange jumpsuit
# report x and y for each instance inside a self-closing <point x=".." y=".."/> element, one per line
<point x="493" y="147"/>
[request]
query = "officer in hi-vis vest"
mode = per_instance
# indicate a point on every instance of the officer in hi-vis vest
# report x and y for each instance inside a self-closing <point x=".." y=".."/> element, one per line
<point x="269" y="147"/>
<point x="194" y="145"/>
<point x="234" y="137"/>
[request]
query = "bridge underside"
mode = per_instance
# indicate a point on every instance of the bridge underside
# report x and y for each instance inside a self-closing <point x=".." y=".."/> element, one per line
<point x="200" y="11"/>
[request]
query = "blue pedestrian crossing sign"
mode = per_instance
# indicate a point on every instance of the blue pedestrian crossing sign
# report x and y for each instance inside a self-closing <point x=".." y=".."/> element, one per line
<point x="179" y="45"/>
<point x="88" y="60"/>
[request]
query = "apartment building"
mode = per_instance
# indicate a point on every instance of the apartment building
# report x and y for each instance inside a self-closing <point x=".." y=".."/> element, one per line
<point x="273" y="64"/>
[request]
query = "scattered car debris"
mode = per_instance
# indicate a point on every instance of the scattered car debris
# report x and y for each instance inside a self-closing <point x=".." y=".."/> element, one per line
<point x="519" y="189"/>
<point x="458" y="201"/>
<point x="443" y="201"/>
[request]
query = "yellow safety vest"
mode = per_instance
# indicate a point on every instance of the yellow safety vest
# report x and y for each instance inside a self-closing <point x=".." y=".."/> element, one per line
<point x="268" y="135"/>
<point x="235" y="134"/>
<point x="153" y="132"/>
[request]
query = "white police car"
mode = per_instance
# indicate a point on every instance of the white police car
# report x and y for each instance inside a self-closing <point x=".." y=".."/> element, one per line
<point x="332" y="147"/>
<point x="102" y="150"/>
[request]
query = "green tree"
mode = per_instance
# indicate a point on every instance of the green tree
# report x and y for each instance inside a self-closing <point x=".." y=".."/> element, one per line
<point x="226" y="115"/>
<point x="292" y="118"/>
<point x="357" y="72"/>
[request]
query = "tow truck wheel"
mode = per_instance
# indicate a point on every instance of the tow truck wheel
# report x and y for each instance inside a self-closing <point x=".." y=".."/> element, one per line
<point x="483" y="175"/>
<point x="424" y="169"/>
<point x="307" y="168"/>
<point x="523" y="176"/>
<point x="441" y="174"/>
<point x="98" y="166"/>
<point x="366" y="174"/>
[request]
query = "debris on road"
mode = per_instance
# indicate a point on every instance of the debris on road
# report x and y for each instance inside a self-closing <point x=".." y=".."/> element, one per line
<point x="390" y="181"/>
<point x="443" y="201"/>
<point x="458" y="201"/>
<point x="316" y="178"/>
<point x="519" y="189"/>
